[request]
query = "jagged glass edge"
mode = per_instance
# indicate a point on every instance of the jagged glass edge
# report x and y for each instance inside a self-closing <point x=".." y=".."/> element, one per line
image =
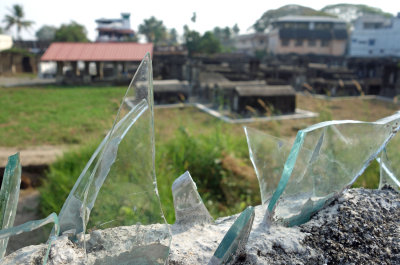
<point x="207" y="218"/>
<point x="33" y="225"/>
<point x="389" y="173"/>
<point x="9" y="193"/>
<point x="242" y="224"/>
<point x="292" y="158"/>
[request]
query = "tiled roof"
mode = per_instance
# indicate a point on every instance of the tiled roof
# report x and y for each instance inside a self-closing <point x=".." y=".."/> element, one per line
<point x="110" y="51"/>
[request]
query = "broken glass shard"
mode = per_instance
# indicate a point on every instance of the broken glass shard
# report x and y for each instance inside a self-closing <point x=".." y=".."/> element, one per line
<point x="388" y="176"/>
<point x="118" y="185"/>
<point x="268" y="155"/>
<point x="189" y="207"/>
<point x="235" y="240"/>
<point x="39" y="230"/>
<point x="325" y="159"/>
<point x="9" y="195"/>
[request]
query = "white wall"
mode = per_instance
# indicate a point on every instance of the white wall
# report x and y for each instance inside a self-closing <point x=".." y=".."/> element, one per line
<point x="376" y="42"/>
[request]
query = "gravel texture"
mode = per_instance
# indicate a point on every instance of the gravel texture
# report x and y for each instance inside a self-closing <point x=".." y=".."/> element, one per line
<point x="361" y="227"/>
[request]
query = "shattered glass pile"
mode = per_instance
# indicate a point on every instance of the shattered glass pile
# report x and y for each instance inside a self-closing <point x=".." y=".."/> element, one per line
<point x="118" y="186"/>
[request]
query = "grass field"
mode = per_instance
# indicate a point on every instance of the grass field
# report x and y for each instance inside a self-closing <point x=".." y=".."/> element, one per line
<point x="186" y="139"/>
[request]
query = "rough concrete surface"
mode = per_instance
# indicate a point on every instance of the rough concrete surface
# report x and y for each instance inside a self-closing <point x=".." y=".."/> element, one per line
<point x="361" y="227"/>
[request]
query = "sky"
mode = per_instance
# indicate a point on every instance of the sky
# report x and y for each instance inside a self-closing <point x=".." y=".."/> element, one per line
<point x="174" y="13"/>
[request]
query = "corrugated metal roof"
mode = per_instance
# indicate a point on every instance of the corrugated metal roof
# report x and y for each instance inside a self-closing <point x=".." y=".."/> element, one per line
<point x="111" y="51"/>
<point x="246" y="91"/>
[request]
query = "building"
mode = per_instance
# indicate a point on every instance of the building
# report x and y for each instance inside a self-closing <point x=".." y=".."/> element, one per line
<point x="252" y="44"/>
<point x="308" y="35"/>
<point x="114" y="29"/>
<point x="6" y="42"/>
<point x="87" y="62"/>
<point x="375" y="36"/>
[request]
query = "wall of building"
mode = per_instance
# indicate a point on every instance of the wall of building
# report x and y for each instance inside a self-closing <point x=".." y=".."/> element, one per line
<point x="333" y="47"/>
<point x="379" y="42"/>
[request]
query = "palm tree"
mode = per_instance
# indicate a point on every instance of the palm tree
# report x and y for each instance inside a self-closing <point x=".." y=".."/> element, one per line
<point x="16" y="18"/>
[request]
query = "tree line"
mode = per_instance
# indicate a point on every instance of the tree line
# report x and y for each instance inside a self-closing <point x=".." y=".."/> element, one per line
<point x="154" y="30"/>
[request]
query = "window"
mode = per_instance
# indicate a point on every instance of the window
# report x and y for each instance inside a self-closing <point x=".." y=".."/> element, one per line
<point x="285" y="42"/>
<point x="325" y="43"/>
<point x="371" y="42"/>
<point x="312" y="43"/>
<point x="299" y="43"/>
<point x="354" y="40"/>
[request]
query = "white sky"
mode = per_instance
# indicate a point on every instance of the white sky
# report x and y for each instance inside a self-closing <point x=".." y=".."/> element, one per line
<point x="174" y="13"/>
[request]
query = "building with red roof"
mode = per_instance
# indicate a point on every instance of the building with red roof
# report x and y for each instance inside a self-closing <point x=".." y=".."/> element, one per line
<point x="95" y="61"/>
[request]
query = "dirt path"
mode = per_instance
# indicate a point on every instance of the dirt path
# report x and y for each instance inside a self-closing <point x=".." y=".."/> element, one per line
<point x="33" y="156"/>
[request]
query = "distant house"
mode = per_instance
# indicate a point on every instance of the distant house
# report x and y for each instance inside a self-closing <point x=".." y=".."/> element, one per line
<point x="114" y="29"/>
<point x="86" y="62"/>
<point x="251" y="43"/>
<point x="308" y="35"/>
<point x="375" y="36"/>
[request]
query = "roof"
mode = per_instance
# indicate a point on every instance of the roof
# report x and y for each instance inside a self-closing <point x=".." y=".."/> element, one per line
<point x="232" y="84"/>
<point x="309" y="19"/>
<point x="110" y="51"/>
<point x="264" y="90"/>
<point x="171" y="85"/>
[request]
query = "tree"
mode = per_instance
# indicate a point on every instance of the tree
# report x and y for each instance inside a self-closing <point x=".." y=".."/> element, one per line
<point x="46" y="33"/>
<point x="195" y="43"/>
<point x="192" y="40"/>
<point x="288" y="10"/>
<point x="154" y="30"/>
<point x="236" y="29"/>
<point x="194" y="16"/>
<point x="172" y="37"/>
<point x="16" y="18"/>
<point x="209" y="43"/>
<point x="72" y="32"/>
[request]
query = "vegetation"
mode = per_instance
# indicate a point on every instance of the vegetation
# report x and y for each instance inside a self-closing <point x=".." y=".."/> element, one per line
<point x="72" y="32"/>
<point x="56" y="116"/>
<point x="46" y="33"/>
<point x="196" y="43"/>
<point x="186" y="139"/>
<point x="153" y="29"/>
<point x="340" y="9"/>
<point x="294" y="10"/>
<point x="16" y="19"/>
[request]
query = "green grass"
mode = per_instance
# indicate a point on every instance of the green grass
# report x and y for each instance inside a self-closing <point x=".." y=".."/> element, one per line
<point x="214" y="152"/>
<point x="56" y="116"/>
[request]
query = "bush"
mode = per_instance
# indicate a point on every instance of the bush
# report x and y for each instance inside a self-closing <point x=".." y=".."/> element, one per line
<point x="225" y="188"/>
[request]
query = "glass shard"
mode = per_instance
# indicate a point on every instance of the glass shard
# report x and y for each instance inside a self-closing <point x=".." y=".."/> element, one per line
<point x="325" y="159"/>
<point x="9" y="195"/>
<point x="234" y="241"/>
<point x="118" y="185"/>
<point x="388" y="176"/>
<point x="33" y="226"/>
<point x="189" y="207"/>
<point x="268" y="155"/>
